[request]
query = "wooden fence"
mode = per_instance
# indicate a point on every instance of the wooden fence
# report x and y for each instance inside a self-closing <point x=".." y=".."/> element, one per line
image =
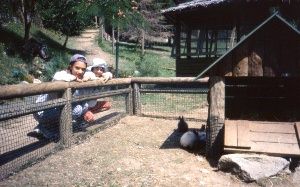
<point x="131" y="96"/>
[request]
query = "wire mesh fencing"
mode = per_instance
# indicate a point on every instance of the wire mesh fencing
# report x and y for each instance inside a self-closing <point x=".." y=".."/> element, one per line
<point x="39" y="119"/>
<point x="173" y="100"/>
<point x="33" y="126"/>
<point x="17" y="123"/>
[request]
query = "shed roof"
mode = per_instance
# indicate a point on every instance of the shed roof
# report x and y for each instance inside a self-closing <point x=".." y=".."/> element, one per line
<point x="194" y="4"/>
<point x="273" y="16"/>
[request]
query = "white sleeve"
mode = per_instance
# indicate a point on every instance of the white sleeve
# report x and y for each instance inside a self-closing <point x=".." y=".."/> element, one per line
<point x="90" y="76"/>
<point x="63" y="76"/>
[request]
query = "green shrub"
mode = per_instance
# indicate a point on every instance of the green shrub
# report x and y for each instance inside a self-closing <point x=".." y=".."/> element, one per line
<point x="153" y="63"/>
<point x="14" y="69"/>
<point x="11" y="68"/>
<point x="59" y="61"/>
<point x="149" y="66"/>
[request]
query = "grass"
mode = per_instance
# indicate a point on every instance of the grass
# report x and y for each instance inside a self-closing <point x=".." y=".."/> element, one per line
<point x="156" y="62"/>
<point x="16" y="67"/>
<point x="167" y="103"/>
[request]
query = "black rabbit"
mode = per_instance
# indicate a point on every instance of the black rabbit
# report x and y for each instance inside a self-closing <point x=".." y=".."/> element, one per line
<point x="182" y="125"/>
<point x="189" y="140"/>
<point x="194" y="139"/>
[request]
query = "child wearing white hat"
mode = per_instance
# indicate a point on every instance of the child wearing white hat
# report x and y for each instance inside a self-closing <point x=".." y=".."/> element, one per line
<point x="98" y="70"/>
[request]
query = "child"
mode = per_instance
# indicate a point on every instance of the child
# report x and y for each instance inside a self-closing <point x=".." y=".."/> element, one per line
<point x="98" y="70"/>
<point x="49" y="117"/>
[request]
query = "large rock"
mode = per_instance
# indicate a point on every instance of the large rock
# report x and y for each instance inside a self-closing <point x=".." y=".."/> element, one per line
<point x="251" y="167"/>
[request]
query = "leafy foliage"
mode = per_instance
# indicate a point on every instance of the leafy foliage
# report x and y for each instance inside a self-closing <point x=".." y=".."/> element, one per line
<point x="67" y="17"/>
<point x="12" y="70"/>
<point x="6" y="13"/>
<point x="119" y="13"/>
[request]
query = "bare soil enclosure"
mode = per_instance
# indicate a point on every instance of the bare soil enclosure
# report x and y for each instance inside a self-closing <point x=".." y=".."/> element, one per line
<point x="138" y="151"/>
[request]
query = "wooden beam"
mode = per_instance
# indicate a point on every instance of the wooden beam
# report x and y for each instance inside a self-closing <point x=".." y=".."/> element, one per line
<point x="177" y="39"/>
<point x="188" y="43"/>
<point x="297" y="129"/>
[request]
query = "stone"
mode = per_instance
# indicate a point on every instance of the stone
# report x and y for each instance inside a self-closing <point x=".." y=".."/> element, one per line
<point x="252" y="167"/>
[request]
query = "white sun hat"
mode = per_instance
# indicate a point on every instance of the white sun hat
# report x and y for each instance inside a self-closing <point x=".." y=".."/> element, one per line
<point x="98" y="62"/>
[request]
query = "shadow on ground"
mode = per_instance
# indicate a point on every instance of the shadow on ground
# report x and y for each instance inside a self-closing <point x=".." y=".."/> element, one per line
<point x="173" y="142"/>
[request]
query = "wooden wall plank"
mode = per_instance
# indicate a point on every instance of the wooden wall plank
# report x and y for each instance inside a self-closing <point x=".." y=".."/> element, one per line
<point x="230" y="134"/>
<point x="274" y="127"/>
<point x="243" y="140"/>
<point x="275" y="148"/>
<point x="269" y="148"/>
<point x="273" y="138"/>
<point x="288" y="138"/>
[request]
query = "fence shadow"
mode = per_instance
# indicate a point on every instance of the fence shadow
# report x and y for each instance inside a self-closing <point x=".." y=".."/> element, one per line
<point x="11" y="155"/>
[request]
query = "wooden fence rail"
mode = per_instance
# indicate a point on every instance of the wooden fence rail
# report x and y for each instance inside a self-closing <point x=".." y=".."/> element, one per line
<point x="18" y="101"/>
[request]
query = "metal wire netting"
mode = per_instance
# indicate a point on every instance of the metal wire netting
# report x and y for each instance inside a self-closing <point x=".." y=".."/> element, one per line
<point x="17" y="145"/>
<point x="20" y="145"/>
<point x="192" y="106"/>
<point x="171" y="101"/>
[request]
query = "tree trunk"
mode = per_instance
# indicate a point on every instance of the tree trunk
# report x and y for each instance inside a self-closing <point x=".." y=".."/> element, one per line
<point x="66" y="41"/>
<point x="27" y="30"/>
<point x="27" y="25"/>
<point x="143" y="42"/>
<point x="101" y="29"/>
<point x="113" y="40"/>
<point x="96" y="21"/>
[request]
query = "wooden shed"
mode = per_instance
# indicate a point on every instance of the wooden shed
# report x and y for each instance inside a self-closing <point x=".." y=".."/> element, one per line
<point x="206" y="29"/>
<point x="255" y="92"/>
<point x="250" y="51"/>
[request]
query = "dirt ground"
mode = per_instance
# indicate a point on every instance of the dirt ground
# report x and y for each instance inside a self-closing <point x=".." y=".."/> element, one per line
<point x="87" y="42"/>
<point x="138" y="151"/>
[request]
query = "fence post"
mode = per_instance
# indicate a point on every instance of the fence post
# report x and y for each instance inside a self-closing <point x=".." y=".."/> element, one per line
<point x="136" y="101"/>
<point x="216" y="117"/>
<point x="66" y="120"/>
<point x="129" y="102"/>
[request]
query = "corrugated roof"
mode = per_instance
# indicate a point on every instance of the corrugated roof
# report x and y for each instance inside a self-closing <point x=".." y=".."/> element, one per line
<point x="273" y="16"/>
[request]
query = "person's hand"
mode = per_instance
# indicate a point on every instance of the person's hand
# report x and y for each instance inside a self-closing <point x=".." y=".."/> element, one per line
<point x="86" y="79"/>
<point x="89" y="116"/>
<point x="78" y="79"/>
<point x="105" y="78"/>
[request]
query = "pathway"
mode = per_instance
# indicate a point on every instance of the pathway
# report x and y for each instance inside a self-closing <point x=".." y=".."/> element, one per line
<point x="87" y="42"/>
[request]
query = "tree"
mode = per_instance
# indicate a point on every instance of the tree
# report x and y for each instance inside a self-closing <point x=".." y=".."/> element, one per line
<point x="151" y="24"/>
<point x="120" y="14"/>
<point x="151" y="11"/>
<point x="69" y="17"/>
<point x="25" y="9"/>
